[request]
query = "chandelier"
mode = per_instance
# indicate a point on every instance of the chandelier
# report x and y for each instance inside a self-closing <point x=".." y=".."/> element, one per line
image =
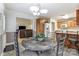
<point x="37" y="11"/>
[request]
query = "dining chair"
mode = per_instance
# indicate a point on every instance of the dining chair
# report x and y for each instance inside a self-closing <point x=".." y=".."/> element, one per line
<point x="60" y="44"/>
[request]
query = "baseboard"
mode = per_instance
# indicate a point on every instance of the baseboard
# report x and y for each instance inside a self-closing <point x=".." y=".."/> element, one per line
<point x="2" y="54"/>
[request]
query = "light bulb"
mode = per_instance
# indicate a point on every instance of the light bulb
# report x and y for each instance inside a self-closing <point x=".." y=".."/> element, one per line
<point x="34" y="13"/>
<point x="34" y="8"/>
<point x="44" y="11"/>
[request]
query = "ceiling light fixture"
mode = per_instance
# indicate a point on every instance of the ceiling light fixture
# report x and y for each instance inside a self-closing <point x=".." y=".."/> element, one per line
<point x="65" y="16"/>
<point x="34" y="8"/>
<point x="37" y="11"/>
<point x="34" y="13"/>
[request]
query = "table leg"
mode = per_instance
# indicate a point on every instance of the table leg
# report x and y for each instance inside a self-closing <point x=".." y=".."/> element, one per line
<point x="38" y="52"/>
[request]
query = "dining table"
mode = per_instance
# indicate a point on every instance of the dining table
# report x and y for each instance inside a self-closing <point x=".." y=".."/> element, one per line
<point x="37" y="46"/>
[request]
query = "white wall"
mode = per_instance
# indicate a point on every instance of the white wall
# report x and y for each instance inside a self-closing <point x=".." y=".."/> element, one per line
<point x="11" y="19"/>
<point x="2" y="29"/>
<point x="1" y="7"/>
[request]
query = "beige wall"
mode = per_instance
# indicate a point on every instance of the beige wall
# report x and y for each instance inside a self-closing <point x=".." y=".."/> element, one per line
<point x="24" y="22"/>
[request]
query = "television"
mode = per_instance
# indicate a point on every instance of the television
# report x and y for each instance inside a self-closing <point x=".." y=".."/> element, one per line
<point x="22" y="27"/>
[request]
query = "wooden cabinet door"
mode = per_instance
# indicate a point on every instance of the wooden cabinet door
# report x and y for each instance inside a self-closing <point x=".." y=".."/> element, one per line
<point x="71" y="24"/>
<point x="59" y="23"/>
<point x="40" y="25"/>
<point x="77" y="17"/>
<point x="37" y="25"/>
<point x="22" y="33"/>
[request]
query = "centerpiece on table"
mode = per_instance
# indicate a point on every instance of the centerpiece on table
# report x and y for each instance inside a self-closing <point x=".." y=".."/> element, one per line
<point x="40" y="37"/>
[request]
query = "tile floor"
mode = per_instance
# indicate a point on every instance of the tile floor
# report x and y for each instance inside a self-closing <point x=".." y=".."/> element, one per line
<point x="67" y="52"/>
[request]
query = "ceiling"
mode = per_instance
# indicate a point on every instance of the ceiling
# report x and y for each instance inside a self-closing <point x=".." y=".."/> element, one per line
<point x="54" y="9"/>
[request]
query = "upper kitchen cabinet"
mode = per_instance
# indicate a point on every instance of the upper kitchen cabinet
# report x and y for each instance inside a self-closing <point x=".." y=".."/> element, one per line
<point x="40" y="24"/>
<point x="77" y="17"/>
<point x="59" y="23"/>
<point x="69" y="23"/>
<point x="72" y="23"/>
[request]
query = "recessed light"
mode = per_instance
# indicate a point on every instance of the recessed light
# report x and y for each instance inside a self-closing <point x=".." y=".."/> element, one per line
<point x="65" y="17"/>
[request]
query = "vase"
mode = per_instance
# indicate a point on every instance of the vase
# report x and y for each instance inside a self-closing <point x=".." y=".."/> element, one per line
<point x="40" y="39"/>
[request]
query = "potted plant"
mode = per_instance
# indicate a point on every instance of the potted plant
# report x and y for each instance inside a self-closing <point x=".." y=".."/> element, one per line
<point x="40" y="36"/>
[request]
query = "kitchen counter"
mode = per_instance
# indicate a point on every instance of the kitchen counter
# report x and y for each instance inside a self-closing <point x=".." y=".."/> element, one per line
<point x="72" y="36"/>
<point x="68" y="31"/>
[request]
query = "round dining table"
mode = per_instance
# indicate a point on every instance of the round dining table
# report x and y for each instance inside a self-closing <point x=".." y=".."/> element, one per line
<point x="37" y="46"/>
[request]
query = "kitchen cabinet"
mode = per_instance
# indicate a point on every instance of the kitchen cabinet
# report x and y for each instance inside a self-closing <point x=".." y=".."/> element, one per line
<point x="40" y="25"/>
<point x="26" y="33"/>
<point x="59" y="23"/>
<point x="77" y="17"/>
<point x="71" y="23"/>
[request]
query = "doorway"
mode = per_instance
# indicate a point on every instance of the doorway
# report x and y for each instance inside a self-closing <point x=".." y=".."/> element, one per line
<point x="24" y="32"/>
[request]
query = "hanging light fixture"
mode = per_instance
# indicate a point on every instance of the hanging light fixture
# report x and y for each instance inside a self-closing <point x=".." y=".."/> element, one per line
<point x="34" y="8"/>
<point x="44" y="11"/>
<point x="37" y="11"/>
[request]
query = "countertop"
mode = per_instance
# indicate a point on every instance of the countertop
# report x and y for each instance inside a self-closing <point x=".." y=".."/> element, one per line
<point x="69" y="31"/>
